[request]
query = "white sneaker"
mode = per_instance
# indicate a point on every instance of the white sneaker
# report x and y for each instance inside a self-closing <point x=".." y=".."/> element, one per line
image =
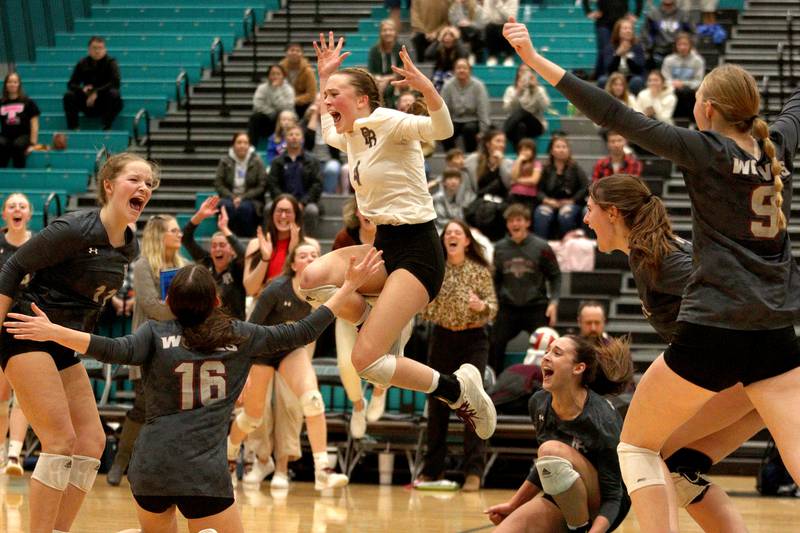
<point x="491" y="62"/>
<point x="376" y="407"/>
<point x="279" y="481"/>
<point x="358" y="422"/>
<point x="258" y="471"/>
<point x="509" y="62"/>
<point x="13" y="468"/>
<point x="474" y="407"/>
<point x="328" y="479"/>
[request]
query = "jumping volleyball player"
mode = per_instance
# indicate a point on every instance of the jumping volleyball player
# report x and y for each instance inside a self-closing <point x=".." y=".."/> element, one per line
<point x="78" y="262"/>
<point x="194" y="369"/>
<point x="387" y="174"/>
<point x="743" y="295"/>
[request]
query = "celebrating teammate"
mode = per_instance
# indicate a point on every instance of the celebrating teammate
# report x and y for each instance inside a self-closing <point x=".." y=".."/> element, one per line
<point x="743" y="295"/>
<point x="387" y="173"/>
<point x="78" y="262"/>
<point x="194" y="368"/>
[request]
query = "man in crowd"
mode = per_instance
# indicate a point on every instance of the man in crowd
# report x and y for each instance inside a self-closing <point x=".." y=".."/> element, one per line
<point x="94" y="87"/>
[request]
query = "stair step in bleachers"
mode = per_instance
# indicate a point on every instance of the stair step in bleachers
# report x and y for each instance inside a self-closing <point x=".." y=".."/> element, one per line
<point x="59" y="73"/>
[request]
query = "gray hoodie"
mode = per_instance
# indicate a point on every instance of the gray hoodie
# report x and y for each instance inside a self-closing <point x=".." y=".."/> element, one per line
<point x="690" y="69"/>
<point x="272" y="100"/>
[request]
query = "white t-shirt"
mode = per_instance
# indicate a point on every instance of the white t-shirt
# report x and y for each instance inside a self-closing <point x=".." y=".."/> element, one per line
<point x="387" y="169"/>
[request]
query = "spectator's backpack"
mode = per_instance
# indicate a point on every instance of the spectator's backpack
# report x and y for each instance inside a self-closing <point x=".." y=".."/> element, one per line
<point x="773" y="479"/>
<point x="514" y="387"/>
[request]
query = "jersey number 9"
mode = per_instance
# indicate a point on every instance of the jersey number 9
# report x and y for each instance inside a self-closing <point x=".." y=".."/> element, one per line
<point x="762" y="204"/>
<point x="208" y="376"/>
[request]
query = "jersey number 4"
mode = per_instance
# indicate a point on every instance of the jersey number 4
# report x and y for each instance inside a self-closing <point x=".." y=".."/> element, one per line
<point x="762" y="204"/>
<point x="207" y="377"/>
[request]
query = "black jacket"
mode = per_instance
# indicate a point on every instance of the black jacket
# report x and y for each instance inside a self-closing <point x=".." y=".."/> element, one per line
<point x="312" y="177"/>
<point x="255" y="179"/>
<point x="573" y="184"/>
<point x="102" y="74"/>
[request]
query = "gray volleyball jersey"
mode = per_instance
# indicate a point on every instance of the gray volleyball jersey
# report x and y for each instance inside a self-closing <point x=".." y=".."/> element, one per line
<point x="190" y="397"/>
<point x="278" y="303"/>
<point x="661" y="295"/>
<point x="744" y="275"/>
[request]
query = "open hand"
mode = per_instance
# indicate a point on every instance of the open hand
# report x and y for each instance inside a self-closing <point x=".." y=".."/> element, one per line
<point x="264" y="244"/>
<point x="208" y="208"/>
<point x="412" y="77"/>
<point x="329" y="56"/>
<point x="517" y="35"/>
<point x="358" y="273"/>
<point x="475" y="303"/>
<point x="31" y="328"/>
<point x="222" y="221"/>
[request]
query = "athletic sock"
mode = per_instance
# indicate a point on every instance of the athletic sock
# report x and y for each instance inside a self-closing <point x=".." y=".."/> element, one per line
<point x="584" y="528"/>
<point x="14" y="448"/>
<point x="320" y="461"/>
<point x="448" y="388"/>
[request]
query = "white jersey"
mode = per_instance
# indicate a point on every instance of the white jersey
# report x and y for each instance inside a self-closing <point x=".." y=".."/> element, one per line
<point x="387" y="169"/>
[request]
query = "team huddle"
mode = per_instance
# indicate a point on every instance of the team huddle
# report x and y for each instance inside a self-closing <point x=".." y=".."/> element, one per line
<point x="732" y="292"/>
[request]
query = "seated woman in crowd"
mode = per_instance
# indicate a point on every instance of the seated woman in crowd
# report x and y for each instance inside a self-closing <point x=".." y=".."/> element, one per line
<point x="658" y="100"/>
<point x="624" y="54"/>
<point x="276" y="143"/>
<point x="444" y="52"/>
<point x="574" y="488"/>
<point x="684" y="71"/>
<point x="469" y="18"/>
<point x="240" y="183"/>
<point x="19" y="123"/>
<point x="562" y="192"/>
<point x="525" y="102"/>
<point x="271" y="97"/>
<point x="467" y="100"/>
<point x="525" y="176"/>
<point x="617" y="87"/>
<point x="384" y="55"/>
<point x="488" y="175"/>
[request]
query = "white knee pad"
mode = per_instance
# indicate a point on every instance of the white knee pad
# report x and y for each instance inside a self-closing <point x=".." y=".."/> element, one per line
<point x="247" y="423"/>
<point x="381" y="371"/>
<point x="84" y="471"/>
<point x="689" y="487"/>
<point x="556" y="474"/>
<point x="53" y="470"/>
<point x="312" y="403"/>
<point x="640" y="467"/>
<point x="317" y="296"/>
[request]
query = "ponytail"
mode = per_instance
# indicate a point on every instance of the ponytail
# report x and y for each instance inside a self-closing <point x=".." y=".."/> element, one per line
<point x="213" y="333"/>
<point x="761" y="132"/>
<point x="609" y="365"/>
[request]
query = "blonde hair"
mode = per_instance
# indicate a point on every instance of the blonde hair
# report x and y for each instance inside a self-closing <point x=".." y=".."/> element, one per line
<point x="153" y="243"/>
<point x="733" y="92"/>
<point x="280" y="133"/>
<point x="116" y="164"/>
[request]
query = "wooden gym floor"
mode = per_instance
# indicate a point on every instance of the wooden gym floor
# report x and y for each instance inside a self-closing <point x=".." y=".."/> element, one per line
<point x="365" y="508"/>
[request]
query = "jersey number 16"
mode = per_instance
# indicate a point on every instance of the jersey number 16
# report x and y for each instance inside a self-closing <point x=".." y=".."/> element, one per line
<point x="208" y="376"/>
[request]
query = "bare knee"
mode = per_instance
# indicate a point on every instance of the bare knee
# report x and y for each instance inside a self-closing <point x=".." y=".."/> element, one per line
<point x="59" y="442"/>
<point x="312" y="276"/>
<point x="90" y="442"/>
<point x="555" y="448"/>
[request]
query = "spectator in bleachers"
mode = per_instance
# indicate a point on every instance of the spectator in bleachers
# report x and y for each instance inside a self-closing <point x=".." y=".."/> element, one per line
<point x="460" y="314"/>
<point x="266" y="254"/>
<point x="684" y="71"/>
<point x="488" y="176"/>
<point x="562" y="191"/>
<point x="446" y="201"/>
<point x="332" y="168"/>
<point x="240" y="182"/>
<point x="226" y="259"/>
<point x="410" y="102"/>
<point x="384" y="55"/>
<point x="19" y="123"/>
<point x="394" y="11"/>
<point x="658" y="99"/>
<point x="357" y="228"/>
<point x="276" y="143"/>
<point x="605" y="16"/>
<point x="297" y="172"/>
<point x="301" y="75"/>
<point x="161" y="244"/>
<point x="496" y="13"/>
<point x="624" y="54"/>
<point x="617" y="86"/>
<point x="468" y="17"/>
<point x="659" y="29"/>
<point x="617" y="161"/>
<point x="592" y="320"/>
<point x="527" y="280"/>
<point x="525" y="102"/>
<point x="525" y="176"/>
<point x="427" y="20"/>
<point x="93" y="87"/>
<point x="467" y="100"/>
<point x="271" y="97"/>
<point x="444" y="52"/>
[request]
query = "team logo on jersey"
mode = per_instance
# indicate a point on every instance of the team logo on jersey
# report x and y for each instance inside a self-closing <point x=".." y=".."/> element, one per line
<point x="227" y="279"/>
<point x="173" y="341"/>
<point x="356" y="175"/>
<point x="93" y="251"/>
<point x="370" y="139"/>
